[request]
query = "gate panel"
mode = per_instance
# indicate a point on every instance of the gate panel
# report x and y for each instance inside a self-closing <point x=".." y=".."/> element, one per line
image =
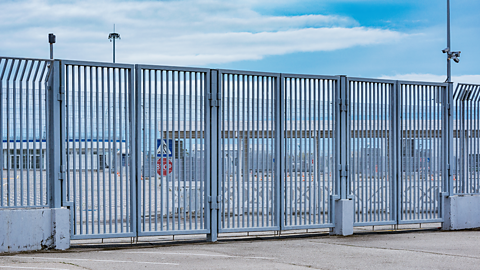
<point x="249" y="184"/>
<point x="421" y="152"/>
<point x="371" y="166"/>
<point x="466" y="144"/>
<point x="23" y="127"/>
<point x="308" y="163"/>
<point x="98" y="144"/>
<point x="172" y="188"/>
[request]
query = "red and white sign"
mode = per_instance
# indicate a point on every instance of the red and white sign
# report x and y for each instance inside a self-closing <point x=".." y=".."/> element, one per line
<point x="162" y="168"/>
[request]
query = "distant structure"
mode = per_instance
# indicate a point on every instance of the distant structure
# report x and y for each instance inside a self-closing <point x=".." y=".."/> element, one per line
<point x="113" y="36"/>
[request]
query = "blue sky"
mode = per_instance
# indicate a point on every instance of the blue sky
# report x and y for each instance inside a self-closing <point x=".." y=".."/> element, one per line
<point x="363" y="38"/>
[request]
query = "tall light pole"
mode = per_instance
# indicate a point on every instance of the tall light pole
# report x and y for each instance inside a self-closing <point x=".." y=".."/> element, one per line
<point x="112" y="37"/>
<point x="450" y="54"/>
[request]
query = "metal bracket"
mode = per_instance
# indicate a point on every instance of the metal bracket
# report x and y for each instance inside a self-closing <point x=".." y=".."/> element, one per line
<point x="214" y="99"/>
<point x="60" y="97"/>
<point x="61" y="174"/>
<point x="343" y="105"/>
<point x="214" y="204"/>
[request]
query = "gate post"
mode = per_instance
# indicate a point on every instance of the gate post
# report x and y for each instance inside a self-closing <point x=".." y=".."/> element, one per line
<point x="344" y="212"/>
<point x="54" y="101"/>
<point x="211" y="145"/>
<point x="59" y="216"/>
<point x="447" y="201"/>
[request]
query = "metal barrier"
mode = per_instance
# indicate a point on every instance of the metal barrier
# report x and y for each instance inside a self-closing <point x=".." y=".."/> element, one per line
<point x="308" y="153"/>
<point x="97" y="146"/>
<point x="372" y="140"/>
<point x="154" y="150"/>
<point x="421" y="151"/>
<point x="249" y="181"/>
<point x="172" y="149"/>
<point x="466" y="145"/>
<point x="23" y="123"/>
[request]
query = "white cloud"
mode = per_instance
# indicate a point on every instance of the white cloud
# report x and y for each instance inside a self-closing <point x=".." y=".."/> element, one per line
<point x="473" y="79"/>
<point x="174" y="32"/>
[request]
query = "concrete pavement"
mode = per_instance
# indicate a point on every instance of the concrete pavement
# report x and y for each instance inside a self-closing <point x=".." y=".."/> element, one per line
<point x="413" y="249"/>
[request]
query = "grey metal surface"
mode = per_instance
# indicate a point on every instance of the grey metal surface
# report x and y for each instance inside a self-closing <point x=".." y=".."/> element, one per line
<point x="308" y="159"/>
<point x="248" y="182"/>
<point x="23" y="114"/>
<point x="422" y="151"/>
<point x="372" y="182"/>
<point x="98" y="143"/>
<point x="466" y="139"/>
<point x="172" y="188"/>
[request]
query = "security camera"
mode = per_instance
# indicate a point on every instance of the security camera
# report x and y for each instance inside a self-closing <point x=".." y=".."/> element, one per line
<point x="446" y="50"/>
<point x="456" y="59"/>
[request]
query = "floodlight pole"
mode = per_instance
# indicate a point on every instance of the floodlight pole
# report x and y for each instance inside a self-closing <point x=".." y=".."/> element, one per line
<point x="112" y="37"/>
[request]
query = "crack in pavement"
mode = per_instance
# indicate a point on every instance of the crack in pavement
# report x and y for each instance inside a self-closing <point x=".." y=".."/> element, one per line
<point x="400" y="249"/>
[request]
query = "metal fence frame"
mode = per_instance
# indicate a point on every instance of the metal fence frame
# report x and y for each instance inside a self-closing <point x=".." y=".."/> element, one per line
<point x="343" y="117"/>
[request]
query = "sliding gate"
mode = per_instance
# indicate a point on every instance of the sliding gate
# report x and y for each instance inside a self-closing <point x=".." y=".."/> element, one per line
<point x="97" y="142"/>
<point x="396" y="151"/>
<point x="154" y="150"/>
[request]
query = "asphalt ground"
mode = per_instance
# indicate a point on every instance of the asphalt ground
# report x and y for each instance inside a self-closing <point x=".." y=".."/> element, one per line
<point x="404" y="248"/>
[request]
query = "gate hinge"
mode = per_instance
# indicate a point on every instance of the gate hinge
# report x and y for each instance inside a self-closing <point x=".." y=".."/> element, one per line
<point x="214" y="99"/>
<point x="61" y="174"/>
<point x="448" y="109"/>
<point x="214" y="204"/>
<point x="60" y="96"/>
<point x="343" y="104"/>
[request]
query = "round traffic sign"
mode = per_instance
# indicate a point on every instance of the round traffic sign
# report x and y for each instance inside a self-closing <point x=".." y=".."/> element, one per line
<point x="164" y="166"/>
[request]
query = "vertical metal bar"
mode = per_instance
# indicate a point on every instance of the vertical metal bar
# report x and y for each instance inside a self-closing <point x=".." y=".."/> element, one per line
<point x="123" y="157"/>
<point x="150" y="147"/>
<point x="104" y="204"/>
<point x="35" y="129"/>
<point x="9" y="154"/>
<point x="91" y="150"/>
<point x="184" y="146"/>
<point x="97" y="118"/>
<point x="167" y="117"/>
<point x="245" y="150"/>
<point x="3" y="67"/>
<point x="292" y="152"/>
<point x="191" y="151"/>
<point x="205" y="186"/>
<point x="395" y="157"/>
<point x="247" y="172"/>
<point x="224" y="179"/>
<point x="155" y="128"/>
<point x="239" y="143"/>
<point x="263" y="142"/>
<point x="212" y="154"/>
<point x="135" y="104"/>
<point x="23" y="154"/>
<point x="278" y="105"/>
<point x="178" y="150"/>
<point x="163" y="140"/>
<point x="257" y="148"/>
<point x="53" y="142"/>
<point x="145" y="152"/>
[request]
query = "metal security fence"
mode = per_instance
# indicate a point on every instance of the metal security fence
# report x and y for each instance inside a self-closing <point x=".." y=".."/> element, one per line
<point x="371" y="144"/>
<point x="249" y="180"/>
<point x="23" y="122"/>
<point x="421" y="151"/>
<point x="97" y="146"/>
<point x="308" y="150"/>
<point x="466" y="143"/>
<point x="172" y="147"/>
<point x="140" y="150"/>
